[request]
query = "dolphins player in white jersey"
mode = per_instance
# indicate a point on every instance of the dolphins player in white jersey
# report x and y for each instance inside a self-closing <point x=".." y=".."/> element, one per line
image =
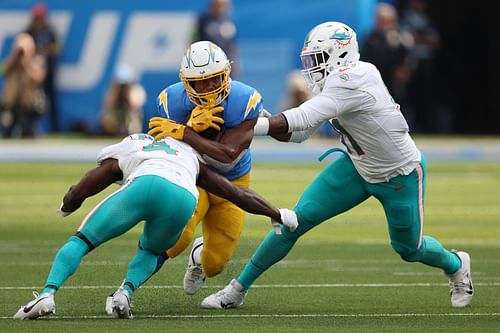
<point x="380" y="160"/>
<point x="159" y="186"/>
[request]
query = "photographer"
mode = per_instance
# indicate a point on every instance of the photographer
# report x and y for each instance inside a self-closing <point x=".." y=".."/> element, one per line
<point x="23" y="95"/>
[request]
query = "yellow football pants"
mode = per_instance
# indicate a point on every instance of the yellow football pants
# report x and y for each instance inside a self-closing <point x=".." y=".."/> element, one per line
<point x="222" y="223"/>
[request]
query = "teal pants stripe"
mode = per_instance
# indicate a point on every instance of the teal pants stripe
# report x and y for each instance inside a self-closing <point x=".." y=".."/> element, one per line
<point x="165" y="207"/>
<point x="339" y="188"/>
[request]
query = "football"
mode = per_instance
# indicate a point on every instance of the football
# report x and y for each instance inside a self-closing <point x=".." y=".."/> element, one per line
<point x="211" y="133"/>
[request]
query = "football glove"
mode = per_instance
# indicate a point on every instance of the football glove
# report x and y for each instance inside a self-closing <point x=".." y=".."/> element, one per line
<point x="288" y="218"/>
<point x="203" y="117"/>
<point x="162" y="127"/>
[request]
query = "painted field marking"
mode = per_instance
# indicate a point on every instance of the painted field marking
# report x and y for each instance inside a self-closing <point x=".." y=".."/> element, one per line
<point x="322" y="285"/>
<point x="308" y="315"/>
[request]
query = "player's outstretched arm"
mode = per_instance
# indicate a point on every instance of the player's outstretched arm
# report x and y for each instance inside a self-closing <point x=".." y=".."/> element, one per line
<point x="92" y="183"/>
<point x="275" y="126"/>
<point x="244" y="198"/>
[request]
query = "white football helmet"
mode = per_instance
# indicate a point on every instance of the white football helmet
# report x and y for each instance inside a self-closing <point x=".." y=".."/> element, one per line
<point x="327" y="47"/>
<point x="205" y="60"/>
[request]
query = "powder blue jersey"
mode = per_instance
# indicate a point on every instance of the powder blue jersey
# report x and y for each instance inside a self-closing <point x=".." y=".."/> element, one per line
<point x="243" y="103"/>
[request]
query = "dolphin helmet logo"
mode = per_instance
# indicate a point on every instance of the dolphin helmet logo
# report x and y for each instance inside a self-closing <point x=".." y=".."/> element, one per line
<point x="342" y="36"/>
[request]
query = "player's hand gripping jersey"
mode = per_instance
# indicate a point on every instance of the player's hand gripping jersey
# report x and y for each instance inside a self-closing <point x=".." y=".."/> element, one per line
<point x="375" y="133"/>
<point x="139" y="155"/>
<point x="243" y="103"/>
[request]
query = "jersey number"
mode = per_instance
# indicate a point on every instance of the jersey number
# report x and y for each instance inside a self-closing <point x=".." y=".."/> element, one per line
<point x="346" y="138"/>
<point x="156" y="146"/>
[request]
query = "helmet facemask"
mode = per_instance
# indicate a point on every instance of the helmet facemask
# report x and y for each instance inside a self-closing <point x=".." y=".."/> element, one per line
<point x="327" y="46"/>
<point x="212" y="97"/>
<point x="202" y="61"/>
<point x="315" y="67"/>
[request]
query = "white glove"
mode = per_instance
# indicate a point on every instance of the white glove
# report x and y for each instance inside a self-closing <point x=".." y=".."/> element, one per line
<point x="61" y="212"/>
<point x="288" y="218"/>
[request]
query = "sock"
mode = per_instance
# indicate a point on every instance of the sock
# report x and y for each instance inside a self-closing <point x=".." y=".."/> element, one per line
<point x="432" y="253"/>
<point x="197" y="254"/>
<point x="142" y="266"/>
<point x="198" y="249"/>
<point x="65" y="263"/>
<point x="272" y="249"/>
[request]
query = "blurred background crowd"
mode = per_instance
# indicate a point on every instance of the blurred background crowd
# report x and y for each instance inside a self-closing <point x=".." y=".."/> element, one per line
<point x="97" y="67"/>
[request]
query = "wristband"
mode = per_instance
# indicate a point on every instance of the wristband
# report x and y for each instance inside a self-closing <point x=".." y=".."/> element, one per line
<point x="262" y="127"/>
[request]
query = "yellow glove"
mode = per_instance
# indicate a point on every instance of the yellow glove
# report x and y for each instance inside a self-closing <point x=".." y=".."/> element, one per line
<point x="203" y="117"/>
<point x="163" y="127"/>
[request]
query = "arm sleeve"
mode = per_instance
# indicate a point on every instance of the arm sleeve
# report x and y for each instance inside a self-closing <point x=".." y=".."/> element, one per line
<point x="301" y="136"/>
<point x="333" y="101"/>
<point x="311" y="113"/>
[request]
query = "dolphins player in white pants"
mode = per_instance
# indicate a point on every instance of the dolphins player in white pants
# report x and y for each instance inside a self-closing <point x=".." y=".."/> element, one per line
<point x="380" y="159"/>
<point x="159" y="187"/>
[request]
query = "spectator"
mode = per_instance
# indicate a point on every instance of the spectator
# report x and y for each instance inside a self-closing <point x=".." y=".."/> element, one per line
<point x="297" y="90"/>
<point x="47" y="46"/>
<point x="122" y="113"/>
<point x="423" y="86"/>
<point x="389" y="49"/>
<point x="23" y="95"/>
<point x="216" y="25"/>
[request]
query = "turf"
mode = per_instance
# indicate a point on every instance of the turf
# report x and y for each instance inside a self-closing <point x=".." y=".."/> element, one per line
<point x="342" y="276"/>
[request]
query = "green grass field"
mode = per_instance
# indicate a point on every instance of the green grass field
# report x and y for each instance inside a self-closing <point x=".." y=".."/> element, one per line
<point x="343" y="276"/>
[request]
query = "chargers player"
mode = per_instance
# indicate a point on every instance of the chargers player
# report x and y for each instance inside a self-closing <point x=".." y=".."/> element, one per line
<point x="381" y="161"/>
<point x="159" y="186"/>
<point x="204" y="102"/>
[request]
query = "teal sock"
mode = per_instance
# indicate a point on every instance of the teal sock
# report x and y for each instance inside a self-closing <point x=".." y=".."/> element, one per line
<point x="272" y="249"/>
<point x="65" y="263"/>
<point x="142" y="266"/>
<point x="434" y="254"/>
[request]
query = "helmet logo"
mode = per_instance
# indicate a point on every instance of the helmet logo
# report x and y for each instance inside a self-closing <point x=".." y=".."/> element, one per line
<point x="342" y="36"/>
<point x="212" y="49"/>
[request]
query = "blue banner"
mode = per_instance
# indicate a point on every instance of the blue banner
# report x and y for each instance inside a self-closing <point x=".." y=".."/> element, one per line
<point x="152" y="35"/>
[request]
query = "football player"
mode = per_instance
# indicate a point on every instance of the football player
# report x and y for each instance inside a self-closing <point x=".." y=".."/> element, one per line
<point x="159" y="181"/>
<point x="216" y="116"/>
<point x="380" y="160"/>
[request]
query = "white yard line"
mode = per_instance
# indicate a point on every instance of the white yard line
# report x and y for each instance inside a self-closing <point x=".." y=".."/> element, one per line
<point x="308" y="315"/>
<point x="323" y="285"/>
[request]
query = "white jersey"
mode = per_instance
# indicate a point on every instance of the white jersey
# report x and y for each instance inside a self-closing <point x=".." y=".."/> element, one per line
<point x="140" y="155"/>
<point x="375" y="133"/>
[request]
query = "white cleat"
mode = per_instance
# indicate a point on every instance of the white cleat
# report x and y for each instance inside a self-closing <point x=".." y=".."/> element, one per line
<point x="42" y="305"/>
<point x="229" y="297"/>
<point x="109" y="305"/>
<point x="121" y="308"/>
<point x="194" y="278"/>
<point x="461" y="288"/>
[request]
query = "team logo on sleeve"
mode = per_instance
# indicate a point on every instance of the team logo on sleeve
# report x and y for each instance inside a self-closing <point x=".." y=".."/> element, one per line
<point x="253" y="101"/>
<point x="162" y="101"/>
